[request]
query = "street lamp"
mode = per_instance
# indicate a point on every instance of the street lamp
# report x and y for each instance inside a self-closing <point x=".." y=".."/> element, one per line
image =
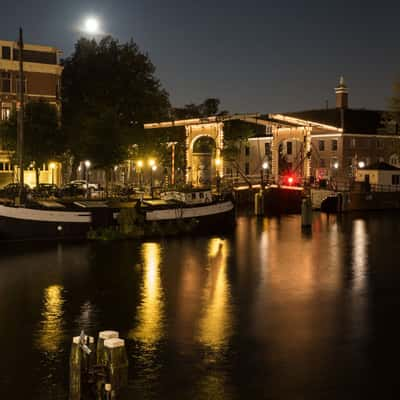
<point x="152" y="169"/>
<point x="264" y="169"/>
<point x="361" y="164"/>
<point x="87" y="166"/>
<point x="140" y="166"/>
<point x="52" y="167"/>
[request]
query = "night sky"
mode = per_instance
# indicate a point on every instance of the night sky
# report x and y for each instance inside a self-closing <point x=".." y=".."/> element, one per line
<point x="256" y="56"/>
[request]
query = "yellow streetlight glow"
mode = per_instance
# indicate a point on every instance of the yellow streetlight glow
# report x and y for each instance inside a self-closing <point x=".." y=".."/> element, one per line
<point x="52" y="165"/>
<point x="154" y="167"/>
<point x="87" y="163"/>
<point x="140" y="163"/>
<point x="217" y="162"/>
<point x="152" y="162"/>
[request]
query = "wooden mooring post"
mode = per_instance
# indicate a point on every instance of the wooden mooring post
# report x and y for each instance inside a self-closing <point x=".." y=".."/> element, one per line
<point x="100" y="369"/>
<point x="79" y="362"/>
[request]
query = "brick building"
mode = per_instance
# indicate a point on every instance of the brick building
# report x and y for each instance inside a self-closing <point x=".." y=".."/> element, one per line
<point x="42" y="73"/>
<point x="324" y="143"/>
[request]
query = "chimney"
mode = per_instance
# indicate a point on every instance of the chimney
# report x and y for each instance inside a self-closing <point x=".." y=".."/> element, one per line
<point x="342" y="95"/>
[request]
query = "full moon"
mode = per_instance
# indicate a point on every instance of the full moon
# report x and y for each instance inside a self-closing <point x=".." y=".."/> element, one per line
<point x="92" y="25"/>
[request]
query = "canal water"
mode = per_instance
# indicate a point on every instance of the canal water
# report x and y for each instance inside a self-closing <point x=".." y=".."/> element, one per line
<point x="269" y="312"/>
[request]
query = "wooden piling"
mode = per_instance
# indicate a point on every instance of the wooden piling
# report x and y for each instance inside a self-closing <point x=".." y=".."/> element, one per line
<point x="104" y="335"/>
<point x="75" y="362"/>
<point x="116" y="360"/>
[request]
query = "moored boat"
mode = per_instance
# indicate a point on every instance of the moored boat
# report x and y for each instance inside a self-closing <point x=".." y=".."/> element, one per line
<point x="30" y="223"/>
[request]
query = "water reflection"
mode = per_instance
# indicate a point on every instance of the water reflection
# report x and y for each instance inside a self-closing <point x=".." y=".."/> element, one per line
<point x="151" y="309"/>
<point x="51" y="332"/>
<point x="216" y="323"/>
<point x="360" y="251"/>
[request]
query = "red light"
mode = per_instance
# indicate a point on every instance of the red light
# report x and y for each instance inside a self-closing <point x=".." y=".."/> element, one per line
<point x="290" y="180"/>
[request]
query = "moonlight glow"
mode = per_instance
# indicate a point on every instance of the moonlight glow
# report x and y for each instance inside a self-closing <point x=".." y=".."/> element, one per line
<point x="92" y="25"/>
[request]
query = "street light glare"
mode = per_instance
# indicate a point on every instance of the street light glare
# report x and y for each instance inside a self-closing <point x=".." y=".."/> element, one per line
<point x="92" y="25"/>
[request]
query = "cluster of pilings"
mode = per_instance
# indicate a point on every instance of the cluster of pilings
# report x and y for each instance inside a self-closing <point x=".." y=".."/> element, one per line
<point x="98" y="371"/>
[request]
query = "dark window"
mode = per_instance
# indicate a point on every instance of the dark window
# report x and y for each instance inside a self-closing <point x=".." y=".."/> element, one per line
<point x="247" y="168"/>
<point x="41" y="57"/>
<point x="201" y="194"/>
<point x="322" y="163"/>
<point x="321" y="145"/>
<point x="247" y="150"/>
<point x="395" y="179"/>
<point x="5" y="82"/>
<point x="6" y="53"/>
<point x="379" y="144"/>
<point x="334" y="145"/>
<point x="193" y="196"/>
<point x="1" y="166"/>
<point x="289" y="148"/>
<point x="267" y="148"/>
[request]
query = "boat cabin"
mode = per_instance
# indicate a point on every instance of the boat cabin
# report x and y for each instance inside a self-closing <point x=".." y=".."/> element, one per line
<point x="188" y="197"/>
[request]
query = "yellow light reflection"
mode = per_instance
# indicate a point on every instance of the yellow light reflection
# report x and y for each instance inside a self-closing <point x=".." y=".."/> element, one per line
<point x="360" y="251"/>
<point x="150" y="313"/>
<point x="216" y="323"/>
<point x="51" y="332"/>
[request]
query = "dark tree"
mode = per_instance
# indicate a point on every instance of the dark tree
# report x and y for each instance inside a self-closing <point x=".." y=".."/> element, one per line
<point x="208" y="108"/>
<point x="43" y="140"/>
<point x="391" y="119"/>
<point x="116" y="79"/>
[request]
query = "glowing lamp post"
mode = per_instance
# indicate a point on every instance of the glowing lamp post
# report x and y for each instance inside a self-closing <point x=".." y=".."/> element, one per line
<point x="153" y="168"/>
<point x="264" y="169"/>
<point x="140" y="166"/>
<point x="52" y="167"/>
<point x="87" y="166"/>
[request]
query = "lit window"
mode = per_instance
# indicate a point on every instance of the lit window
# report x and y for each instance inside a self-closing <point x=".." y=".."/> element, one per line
<point x="5" y="113"/>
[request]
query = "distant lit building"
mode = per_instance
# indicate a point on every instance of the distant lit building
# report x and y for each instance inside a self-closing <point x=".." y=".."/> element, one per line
<point x="322" y="144"/>
<point x="42" y="80"/>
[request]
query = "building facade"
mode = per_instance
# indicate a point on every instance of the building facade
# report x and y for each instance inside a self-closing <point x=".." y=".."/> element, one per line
<point x="42" y="81"/>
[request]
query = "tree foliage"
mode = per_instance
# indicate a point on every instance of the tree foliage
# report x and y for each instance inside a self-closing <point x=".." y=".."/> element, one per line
<point x="207" y="108"/>
<point x="109" y="91"/>
<point x="43" y="140"/>
<point x="392" y="117"/>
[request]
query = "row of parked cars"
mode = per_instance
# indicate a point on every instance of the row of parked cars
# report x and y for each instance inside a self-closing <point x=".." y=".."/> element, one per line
<point x="74" y="188"/>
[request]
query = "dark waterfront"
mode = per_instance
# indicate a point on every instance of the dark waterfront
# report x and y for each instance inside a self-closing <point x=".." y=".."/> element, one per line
<point x="268" y="312"/>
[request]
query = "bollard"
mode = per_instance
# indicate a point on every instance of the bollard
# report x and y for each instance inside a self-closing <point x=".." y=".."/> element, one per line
<point x="104" y="335"/>
<point x="77" y="363"/>
<point x="306" y="212"/>
<point x="117" y="364"/>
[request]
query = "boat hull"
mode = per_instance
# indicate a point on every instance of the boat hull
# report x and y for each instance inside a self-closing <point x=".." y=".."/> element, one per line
<point x="24" y="223"/>
<point x="214" y="217"/>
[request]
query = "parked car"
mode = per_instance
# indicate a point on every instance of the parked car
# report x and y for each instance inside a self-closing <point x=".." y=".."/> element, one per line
<point x="71" y="190"/>
<point x="85" y="185"/>
<point x="12" y="190"/>
<point x="45" y="190"/>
